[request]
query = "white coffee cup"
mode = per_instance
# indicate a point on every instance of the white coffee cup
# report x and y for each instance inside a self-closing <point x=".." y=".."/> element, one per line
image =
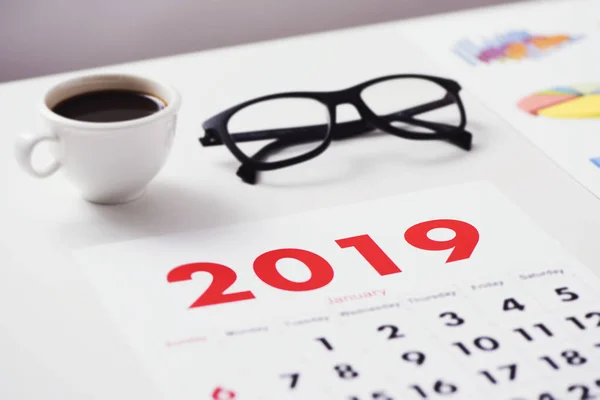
<point x="109" y="162"/>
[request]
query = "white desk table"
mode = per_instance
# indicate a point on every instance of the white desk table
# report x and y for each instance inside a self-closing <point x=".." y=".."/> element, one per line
<point x="56" y="340"/>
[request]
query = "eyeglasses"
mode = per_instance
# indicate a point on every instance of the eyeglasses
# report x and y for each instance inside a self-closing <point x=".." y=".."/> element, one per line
<point x="299" y="126"/>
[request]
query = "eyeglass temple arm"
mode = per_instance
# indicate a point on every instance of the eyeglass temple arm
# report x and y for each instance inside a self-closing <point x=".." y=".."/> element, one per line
<point x="459" y="137"/>
<point x="447" y="100"/>
<point x="304" y="133"/>
<point x="343" y="129"/>
<point x="249" y="173"/>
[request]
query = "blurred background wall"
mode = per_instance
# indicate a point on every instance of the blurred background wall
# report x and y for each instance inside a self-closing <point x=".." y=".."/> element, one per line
<point x="46" y="36"/>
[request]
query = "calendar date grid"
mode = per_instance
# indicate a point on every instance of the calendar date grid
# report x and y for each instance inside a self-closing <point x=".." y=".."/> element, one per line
<point x="362" y="357"/>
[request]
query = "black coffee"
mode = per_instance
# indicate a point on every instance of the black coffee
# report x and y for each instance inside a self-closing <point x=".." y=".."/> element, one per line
<point x="109" y="106"/>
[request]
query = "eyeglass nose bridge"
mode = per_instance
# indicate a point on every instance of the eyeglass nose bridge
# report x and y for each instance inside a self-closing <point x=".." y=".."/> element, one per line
<point x="343" y="110"/>
<point x="350" y="97"/>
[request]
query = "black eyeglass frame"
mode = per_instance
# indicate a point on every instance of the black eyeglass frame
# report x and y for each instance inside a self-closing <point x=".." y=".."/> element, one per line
<point x="217" y="133"/>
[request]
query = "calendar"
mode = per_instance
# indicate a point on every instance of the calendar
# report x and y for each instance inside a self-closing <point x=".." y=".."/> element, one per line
<point x="451" y="293"/>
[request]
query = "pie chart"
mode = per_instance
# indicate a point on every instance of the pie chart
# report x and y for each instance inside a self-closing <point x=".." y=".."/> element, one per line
<point x="566" y="102"/>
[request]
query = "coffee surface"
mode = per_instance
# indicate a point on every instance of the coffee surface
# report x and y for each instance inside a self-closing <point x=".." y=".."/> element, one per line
<point x="109" y="106"/>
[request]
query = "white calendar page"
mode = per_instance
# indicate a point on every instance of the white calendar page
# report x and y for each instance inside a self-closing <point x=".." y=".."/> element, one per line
<point x="449" y="293"/>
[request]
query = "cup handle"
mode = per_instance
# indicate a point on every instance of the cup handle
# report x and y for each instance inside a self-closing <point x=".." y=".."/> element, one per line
<point x="24" y="147"/>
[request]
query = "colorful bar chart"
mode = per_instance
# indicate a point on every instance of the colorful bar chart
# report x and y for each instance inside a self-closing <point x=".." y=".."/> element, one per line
<point x="514" y="45"/>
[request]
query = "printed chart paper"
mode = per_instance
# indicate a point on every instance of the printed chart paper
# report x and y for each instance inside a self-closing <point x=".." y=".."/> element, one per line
<point x="534" y="64"/>
<point x="447" y="293"/>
